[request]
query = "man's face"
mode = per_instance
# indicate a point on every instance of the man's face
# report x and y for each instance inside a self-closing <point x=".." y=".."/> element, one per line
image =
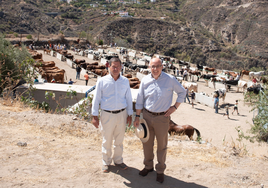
<point x="115" y="69"/>
<point x="156" y="67"/>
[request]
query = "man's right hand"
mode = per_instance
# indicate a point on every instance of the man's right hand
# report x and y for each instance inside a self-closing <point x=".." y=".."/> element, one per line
<point x="95" y="121"/>
<point x="136" y="122"/>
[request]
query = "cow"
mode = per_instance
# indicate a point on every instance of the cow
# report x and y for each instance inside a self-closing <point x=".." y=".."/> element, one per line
<point x="183" y="130"/>
<point x="79" y="61"/>
<point x="47" y="64"/>
<point x="221" y="93"/>
<point x="199" y="67"/>
<point x="69" y="56"/>
<point x="100" y="72"/>
<point x="127" y="75"/>
<point x="136" y="86"/>
<point x="46" y="51"/>
<point x="255" y="89"/>
<point x="134" y="79"/>
<point x="217" y="79"/>
<point x="208" y="76"/>
<point x="191" y="86"/>
<point x="209" y="69"/>
<point x="183" y="63"/>
<point x="263" y="80"/>
<point x="256" y="74"/>
<point x="242" y="84"/>
<point x="229" y="83"/>
<point x="95" y="63"/>
<point x="37" y="56"/>
<point x="244" y="72"/>
<point x="133" y="83"/>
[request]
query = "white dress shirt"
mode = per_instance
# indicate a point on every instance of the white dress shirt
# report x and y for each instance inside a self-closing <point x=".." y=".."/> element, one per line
<point x="112" y="95"/>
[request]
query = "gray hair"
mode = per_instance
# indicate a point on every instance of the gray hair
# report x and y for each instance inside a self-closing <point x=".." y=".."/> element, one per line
<point x="115" y="59"/>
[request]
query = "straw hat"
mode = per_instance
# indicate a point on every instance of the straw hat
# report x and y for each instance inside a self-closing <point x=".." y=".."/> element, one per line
<point x="142" y="131"/>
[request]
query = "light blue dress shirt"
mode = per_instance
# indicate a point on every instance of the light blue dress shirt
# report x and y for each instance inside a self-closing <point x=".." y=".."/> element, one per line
<point x="156" y="95"/>
<point x="112" y="95"/>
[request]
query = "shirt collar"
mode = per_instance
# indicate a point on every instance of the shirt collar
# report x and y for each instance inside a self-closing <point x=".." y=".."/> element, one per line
<point x="120" y="77"/>
<point x="158" y="77"/>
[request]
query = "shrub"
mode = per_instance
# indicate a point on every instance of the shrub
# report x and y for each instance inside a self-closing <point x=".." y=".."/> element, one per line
<point x="29" y="37"/>
<point x="100" y="42"/>
<point x="15" y="64"/>
<point x="259" y="128"/>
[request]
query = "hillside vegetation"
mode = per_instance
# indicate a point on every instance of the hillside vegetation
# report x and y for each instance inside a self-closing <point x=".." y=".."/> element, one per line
<point x="226" y="34"/>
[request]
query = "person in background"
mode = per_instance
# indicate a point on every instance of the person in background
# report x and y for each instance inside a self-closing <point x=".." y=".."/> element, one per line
<point x="227" y="111"/>
<point x="254" y="80"/>
<point x="192" y="97"/>
<point x="107" y="65"/>
<point x="71" y="82"/>
<point x="86" y="77"/>
<point x="216" y="103"/>
<point x="78" y="70"/>
<point x="187" y="95"/>
<point x="53" y="80"/>
<point x="236" y="107"/>
<point x="36" y="80"/>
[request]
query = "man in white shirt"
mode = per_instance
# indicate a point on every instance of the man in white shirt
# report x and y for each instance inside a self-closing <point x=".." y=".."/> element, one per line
<point x="113" y="96"/>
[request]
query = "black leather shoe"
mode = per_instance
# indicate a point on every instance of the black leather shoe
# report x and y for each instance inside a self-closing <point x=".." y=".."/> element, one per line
<point x="160" y="178"/>
<point x="145" y="171"/>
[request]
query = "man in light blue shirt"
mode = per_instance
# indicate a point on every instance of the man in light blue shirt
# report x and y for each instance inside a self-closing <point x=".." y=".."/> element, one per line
<point x="154" y="100"/>
<point x="113" y="97"/>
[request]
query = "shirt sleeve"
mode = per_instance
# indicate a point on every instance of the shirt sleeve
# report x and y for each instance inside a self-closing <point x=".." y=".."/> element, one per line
<point x="96" y="100"/>
<point x="140" y="98"/>
<point x="129" y="101"/>
<point x="179" y="89"/>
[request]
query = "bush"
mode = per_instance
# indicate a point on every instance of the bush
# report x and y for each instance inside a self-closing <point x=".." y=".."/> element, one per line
<point x="100" y="42"/>
<point x="29" y="37"/>
<point x="15" y="64"/>
<point x="259" y="129"/>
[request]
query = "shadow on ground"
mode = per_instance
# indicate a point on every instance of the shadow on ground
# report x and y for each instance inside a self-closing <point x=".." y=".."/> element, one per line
<point x="133" y="179"/>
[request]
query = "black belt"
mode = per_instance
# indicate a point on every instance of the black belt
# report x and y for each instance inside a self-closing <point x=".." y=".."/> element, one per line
<point x="156" y="113"/>
<point x="115" y="112"/>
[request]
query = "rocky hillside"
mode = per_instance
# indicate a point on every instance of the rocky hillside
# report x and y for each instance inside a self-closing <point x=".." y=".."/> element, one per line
<point x="227" y="34"/>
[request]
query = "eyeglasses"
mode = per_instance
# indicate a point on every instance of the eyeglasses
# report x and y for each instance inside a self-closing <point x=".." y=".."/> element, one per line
<point x="155" y="67"/>
<point x="113" y="67"/>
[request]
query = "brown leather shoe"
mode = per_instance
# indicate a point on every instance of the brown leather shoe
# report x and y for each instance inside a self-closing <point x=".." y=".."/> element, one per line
<point x="160" y="178"/>
<point x="145" y="171"/>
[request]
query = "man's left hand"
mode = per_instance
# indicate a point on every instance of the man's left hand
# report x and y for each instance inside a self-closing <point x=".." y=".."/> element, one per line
<point x="170" y="111"/>
<point x="129" y="120"/>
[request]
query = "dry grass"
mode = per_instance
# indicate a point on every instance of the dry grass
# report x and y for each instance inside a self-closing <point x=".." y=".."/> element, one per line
<point x="72" y="134"/>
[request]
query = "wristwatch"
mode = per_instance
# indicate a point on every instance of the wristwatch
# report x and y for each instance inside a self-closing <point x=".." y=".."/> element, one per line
<point x="138" y="116"/>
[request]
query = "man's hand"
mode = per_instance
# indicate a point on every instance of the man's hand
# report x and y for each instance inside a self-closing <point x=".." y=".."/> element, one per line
<point x="170" y="111"/>
<point x="129" y="120"/>
<point x="136" y="122"/>
<point x="95" y="121"/>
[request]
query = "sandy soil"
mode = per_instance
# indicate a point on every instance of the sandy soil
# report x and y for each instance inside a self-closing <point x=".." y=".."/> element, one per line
<point x="63" y="151"/>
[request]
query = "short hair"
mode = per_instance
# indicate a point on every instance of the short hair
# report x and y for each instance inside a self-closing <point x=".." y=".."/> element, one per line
<point x="115" y="59"/>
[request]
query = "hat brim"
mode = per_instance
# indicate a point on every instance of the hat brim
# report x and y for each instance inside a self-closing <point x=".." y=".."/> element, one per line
<point x="146" y="129"/>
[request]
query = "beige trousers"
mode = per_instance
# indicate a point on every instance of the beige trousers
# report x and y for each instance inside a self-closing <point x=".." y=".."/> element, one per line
<point x="158" y="128"/>
<point x="113" y="128"/>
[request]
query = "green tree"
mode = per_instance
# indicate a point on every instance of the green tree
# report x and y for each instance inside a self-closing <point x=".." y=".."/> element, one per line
<point x="83" y="34"/>
<point x="15" y="64"/>
<point x="259" y="128"/>
<point x="100" y="42"/>
<point x="29" y="37"/>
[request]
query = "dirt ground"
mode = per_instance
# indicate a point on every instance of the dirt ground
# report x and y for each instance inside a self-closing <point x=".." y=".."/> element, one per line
<point x="63" y="151"/>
